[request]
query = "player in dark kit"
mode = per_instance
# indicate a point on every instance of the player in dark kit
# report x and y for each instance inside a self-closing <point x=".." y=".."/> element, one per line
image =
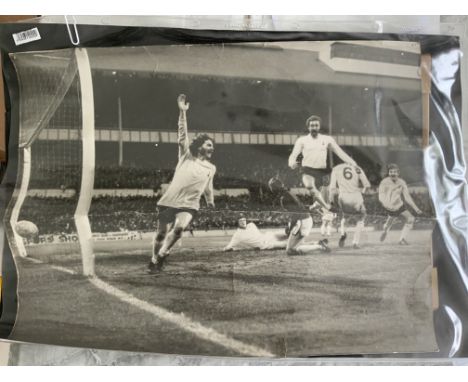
<point x="300" y="223"/>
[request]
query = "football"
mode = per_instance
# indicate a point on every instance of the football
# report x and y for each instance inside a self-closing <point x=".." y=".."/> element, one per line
<point x="26" y="229"/>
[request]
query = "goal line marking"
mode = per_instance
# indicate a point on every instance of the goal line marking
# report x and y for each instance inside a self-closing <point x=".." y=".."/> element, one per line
<point x="177" y="319"/>
<point x="56" y="267"/>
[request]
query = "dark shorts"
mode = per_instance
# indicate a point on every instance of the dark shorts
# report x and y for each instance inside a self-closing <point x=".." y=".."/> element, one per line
<point x="168" y="214"/>
<point x="316" y="173"/>
<point x="299" y="224"/>
<point x="398" y="212"/>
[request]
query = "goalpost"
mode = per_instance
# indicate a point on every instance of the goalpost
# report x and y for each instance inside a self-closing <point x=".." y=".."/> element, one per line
<point x="88" y="163"/>
<point x="56" y="143"/>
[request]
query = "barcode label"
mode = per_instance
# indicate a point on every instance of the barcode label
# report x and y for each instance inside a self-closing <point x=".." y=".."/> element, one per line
<point x="26" y="36"/>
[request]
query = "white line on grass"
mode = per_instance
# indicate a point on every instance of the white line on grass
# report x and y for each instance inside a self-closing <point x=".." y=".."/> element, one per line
<point x="56" y="267"/>
<point x="66" y="270"/>
<point x="182" y="321"/>
<point x="178" y="319"/>
<point x="33" y="260"/>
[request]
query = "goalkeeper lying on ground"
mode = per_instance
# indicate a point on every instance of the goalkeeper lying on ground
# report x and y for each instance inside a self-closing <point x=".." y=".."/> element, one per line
<point x="248" y="236"/>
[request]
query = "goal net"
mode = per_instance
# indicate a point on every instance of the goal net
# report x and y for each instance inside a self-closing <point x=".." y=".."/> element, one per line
<point x="56" y="121"/>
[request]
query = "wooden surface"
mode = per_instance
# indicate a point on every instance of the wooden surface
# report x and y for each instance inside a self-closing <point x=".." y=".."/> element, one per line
<point x="426" y="67"/>
<point x="2" y="119"/>
<point x="426" y="81"/>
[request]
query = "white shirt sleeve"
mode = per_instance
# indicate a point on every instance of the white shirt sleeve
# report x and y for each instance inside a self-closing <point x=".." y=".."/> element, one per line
<point x="234" y="241"/>
<point x="383" y="191"/>
<point x="298" y="146"/>
<point x="339" y="151"/>
<point x="182" y="135"/>
<point x="362" y="176"/>
<point x="407" y="196"/>
<point x="209" y="191"/>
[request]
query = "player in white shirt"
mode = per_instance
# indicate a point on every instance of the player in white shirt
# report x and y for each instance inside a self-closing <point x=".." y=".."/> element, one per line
<point x="350" y="182"/>
<point x="248" y="236"/>
<point x="193" y="177"/>
<point x="393" y="194"/>
<point x="314" y="149"/>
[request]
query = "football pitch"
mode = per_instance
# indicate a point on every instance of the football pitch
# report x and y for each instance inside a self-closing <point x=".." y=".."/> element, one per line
<point x="376" y="299"/>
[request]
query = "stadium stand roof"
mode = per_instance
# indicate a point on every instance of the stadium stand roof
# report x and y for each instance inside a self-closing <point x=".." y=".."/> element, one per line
<point x="381" y="63"/>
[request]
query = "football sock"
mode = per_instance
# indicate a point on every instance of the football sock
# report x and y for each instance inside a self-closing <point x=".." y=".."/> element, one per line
<point x="357" y="233"/>
<point x="388" y="224"/>
<point x="156" y="247"/>
<point x="404" y="232"/>
<point x="322" y="229"/>
<point x="169" y="241"/>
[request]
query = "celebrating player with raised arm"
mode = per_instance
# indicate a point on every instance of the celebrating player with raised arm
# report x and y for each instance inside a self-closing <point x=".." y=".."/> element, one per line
<point x="248" y="236"/>
<point x="193" y="177"/>
<point x="314" y="149"/>
<point x="349" y="182"/>
<point x="393" y="194"/>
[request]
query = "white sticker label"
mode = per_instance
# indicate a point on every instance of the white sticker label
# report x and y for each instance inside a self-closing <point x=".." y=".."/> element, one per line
<point x="26" y="36"/>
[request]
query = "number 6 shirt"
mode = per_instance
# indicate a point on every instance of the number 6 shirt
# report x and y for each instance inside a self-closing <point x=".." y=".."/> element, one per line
<point x="348" y="179"/>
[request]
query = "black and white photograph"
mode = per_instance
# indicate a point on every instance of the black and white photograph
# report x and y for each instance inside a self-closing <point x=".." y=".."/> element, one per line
<point x="247" y="199"/>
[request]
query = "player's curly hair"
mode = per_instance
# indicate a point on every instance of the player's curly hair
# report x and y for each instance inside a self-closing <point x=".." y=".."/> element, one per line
<point x="313" y="118"/>
<point x="198" y="142"/>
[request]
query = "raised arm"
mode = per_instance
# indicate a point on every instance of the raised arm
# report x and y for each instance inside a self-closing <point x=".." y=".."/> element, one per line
<point x="409" y="200"/>
<point x="182" y="136"/>
<point x="341" y="154"/>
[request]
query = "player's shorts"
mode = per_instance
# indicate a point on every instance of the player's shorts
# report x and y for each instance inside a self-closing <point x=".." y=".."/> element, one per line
<point x="351" y="203"/>
<point x="168" y="214"/>
<point x="397" y="212"/>
<point x="302" y="227"/>
<point x="316" y="173"/>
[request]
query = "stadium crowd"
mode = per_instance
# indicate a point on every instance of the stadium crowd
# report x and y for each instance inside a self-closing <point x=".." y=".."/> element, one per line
<point x="231" y="173"/>
<point x="110" y="214"/>
<point x="138" y="213"/>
